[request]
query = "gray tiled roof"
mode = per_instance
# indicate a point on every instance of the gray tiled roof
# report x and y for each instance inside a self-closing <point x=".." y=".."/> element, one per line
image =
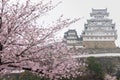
<point x="66" y="34"/>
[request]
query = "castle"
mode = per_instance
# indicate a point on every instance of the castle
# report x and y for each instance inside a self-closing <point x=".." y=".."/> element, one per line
<point x="99" y="32"/>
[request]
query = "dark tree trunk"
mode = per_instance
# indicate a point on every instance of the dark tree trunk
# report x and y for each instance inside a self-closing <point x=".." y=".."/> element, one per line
<point x="0" y="22"/>
<point x="1" y="48"/>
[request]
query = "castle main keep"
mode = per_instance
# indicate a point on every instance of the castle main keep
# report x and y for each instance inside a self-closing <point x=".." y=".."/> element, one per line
<point x="99" y="32"/>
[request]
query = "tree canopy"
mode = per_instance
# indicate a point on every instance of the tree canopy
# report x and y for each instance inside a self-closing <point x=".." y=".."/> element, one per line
<point x="26" y="45"/>
<point x="95" y="68"/>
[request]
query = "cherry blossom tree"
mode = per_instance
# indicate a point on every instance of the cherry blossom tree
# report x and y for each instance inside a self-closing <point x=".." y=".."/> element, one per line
<point x="26" y="45"/>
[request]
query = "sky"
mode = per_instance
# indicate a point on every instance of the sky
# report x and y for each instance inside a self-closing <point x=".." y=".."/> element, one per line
<point x="82" y="8"/>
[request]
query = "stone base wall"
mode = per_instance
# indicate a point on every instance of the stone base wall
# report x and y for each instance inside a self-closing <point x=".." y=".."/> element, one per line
<point x="99" y="44"/>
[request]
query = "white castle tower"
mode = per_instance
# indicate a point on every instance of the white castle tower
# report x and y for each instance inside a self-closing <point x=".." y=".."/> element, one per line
<point x="99" y="32"/>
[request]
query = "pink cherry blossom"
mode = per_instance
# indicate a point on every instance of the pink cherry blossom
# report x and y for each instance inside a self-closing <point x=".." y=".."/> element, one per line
<point x="26" y="45"/>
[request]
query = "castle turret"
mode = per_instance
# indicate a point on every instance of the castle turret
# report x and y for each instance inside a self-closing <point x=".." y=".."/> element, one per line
<point x="72" y="39"/>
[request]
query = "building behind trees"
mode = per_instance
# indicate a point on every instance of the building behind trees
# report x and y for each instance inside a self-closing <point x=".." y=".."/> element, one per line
<point x="99" y="31"/>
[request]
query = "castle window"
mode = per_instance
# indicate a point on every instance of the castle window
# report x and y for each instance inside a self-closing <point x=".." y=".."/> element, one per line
<point x="86" y="27"/>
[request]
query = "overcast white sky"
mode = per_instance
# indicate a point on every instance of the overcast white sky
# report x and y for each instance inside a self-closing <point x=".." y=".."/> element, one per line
<point x="82" y="8"/>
